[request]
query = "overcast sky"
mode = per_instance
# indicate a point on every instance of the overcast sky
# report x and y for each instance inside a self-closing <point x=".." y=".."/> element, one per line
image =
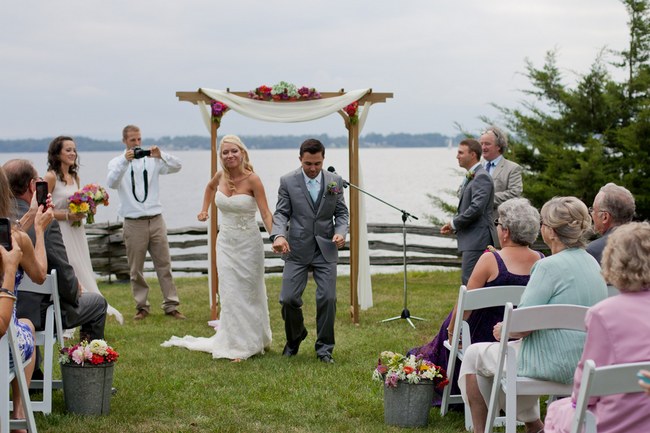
<point x="90" y="67"/>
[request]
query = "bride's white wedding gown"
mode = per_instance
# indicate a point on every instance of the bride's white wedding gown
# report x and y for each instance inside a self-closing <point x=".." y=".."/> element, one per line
<point x="244" y="329"/>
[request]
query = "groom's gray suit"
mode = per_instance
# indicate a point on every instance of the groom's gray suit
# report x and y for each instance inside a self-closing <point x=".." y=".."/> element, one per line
<point x="309" y="227"/>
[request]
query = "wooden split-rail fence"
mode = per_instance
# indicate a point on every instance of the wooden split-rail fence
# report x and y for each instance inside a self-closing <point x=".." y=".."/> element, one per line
<point x="189" y="249"/>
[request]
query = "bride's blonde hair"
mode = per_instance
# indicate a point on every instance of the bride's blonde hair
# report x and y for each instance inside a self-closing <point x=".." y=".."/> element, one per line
<point x="245" y="164"/>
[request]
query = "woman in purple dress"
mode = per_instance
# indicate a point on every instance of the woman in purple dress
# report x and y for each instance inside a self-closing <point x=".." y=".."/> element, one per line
<point x="518" y="228"/>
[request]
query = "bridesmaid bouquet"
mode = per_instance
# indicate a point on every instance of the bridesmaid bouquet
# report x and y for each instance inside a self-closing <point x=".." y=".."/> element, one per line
<point x="86" y="201"/>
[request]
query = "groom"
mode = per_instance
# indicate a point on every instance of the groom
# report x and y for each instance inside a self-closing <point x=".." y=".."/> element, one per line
<point x="309" y="227"/>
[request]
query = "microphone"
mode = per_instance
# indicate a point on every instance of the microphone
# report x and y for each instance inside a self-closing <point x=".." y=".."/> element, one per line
<point x="333" y="170"/>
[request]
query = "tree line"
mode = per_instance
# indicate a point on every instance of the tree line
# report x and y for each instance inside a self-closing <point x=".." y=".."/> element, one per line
<point x="85" y="144"/>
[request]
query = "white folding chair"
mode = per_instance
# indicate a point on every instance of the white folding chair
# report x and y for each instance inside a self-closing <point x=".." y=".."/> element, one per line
<point x="469" y="300"/>
<point x="9" y="348"/>
<point x="46" y="338"/>
<point x="599" y="381"/>
<point x="612" y="291"/>
<point x="553" y="316"/>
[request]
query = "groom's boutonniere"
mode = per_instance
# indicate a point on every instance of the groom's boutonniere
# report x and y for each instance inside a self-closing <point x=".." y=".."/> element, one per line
<point x="470" y="175"/>
<point x="333" y="188"/>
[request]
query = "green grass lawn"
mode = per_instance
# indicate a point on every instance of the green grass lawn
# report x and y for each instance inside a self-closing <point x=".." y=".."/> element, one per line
<point x="175" y="390"/>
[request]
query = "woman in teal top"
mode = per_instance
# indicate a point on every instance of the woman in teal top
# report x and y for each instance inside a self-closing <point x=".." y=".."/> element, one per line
<point x="569" y="276"/>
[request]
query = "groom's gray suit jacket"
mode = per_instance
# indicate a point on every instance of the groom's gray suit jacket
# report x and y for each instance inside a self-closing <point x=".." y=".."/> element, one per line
<point x="306" y="224"/>
<point x="474" y="221"/>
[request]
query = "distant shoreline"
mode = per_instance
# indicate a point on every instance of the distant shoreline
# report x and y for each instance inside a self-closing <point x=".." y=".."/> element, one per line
<point x="196" y="142"/>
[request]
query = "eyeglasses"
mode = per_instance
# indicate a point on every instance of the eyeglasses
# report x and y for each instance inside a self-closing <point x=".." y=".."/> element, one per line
<point x="496" y="222"/>
<point x="591" y="210"/>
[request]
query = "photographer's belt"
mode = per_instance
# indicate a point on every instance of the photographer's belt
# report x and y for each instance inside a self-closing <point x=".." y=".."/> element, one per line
<point x="145" y="177"/>
<point x="144" y="217"/>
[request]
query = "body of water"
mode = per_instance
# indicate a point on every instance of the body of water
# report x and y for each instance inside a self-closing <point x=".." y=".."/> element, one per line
<point x="400" y="176"/>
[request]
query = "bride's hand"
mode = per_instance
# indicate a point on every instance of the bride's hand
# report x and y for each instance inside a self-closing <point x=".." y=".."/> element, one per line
<point x="203" y="216"/>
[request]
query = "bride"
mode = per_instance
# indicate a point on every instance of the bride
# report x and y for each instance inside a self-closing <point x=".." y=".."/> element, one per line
<point x="243" y="329"/>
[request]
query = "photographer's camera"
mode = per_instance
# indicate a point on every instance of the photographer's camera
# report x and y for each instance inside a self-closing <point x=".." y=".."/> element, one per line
<point x="139" y="152"/>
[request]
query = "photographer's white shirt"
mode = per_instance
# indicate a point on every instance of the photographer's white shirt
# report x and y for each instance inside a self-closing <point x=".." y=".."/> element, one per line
<point x="119" y="177"/>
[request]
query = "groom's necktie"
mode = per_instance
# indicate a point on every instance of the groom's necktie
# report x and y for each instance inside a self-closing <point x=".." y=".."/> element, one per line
<point x="314" y="189"/>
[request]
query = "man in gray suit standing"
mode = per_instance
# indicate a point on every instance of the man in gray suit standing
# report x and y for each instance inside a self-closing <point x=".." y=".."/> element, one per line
<point x="473" y="222"/>
<point x="309" y="227"/>
<point x="506" y="174"/>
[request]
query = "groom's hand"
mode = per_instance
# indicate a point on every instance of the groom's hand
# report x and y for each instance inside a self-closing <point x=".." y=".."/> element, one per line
<point x="339" y="241"/>
<point x="280" y="245"/>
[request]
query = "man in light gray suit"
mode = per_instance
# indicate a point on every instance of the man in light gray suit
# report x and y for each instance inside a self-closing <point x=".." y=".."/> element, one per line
<point x="309" y="227"/>
<point x="506" y="174"/>
<point x="473" y="222"/>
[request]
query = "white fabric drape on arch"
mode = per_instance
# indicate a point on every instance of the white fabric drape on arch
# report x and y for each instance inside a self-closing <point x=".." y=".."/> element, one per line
<point x="302" y="111"/>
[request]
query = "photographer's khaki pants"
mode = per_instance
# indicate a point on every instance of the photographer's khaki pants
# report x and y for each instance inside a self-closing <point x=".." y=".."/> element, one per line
<point x="140" y="236"/>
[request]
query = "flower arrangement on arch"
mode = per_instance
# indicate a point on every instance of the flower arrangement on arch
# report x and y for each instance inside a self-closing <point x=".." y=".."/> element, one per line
<point x="86" y="201"/>
<point x="95" y="352"/>
<point x="352" y="111"/>
<point x="333" y="188"/>
<point x="218" y="110"/>
<point x="394" y="367"/>
<point x="283" y="91"/>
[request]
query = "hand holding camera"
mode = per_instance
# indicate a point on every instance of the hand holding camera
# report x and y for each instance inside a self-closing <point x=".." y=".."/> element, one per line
<point x="139" y="152"/>
<point x="44" y="216"/>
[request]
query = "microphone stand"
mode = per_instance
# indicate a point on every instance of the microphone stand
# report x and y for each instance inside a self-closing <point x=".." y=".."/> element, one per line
<point x="406" y="314"/>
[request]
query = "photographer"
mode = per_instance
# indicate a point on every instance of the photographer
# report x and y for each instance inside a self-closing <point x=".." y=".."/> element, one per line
<point x="135" y="176"/>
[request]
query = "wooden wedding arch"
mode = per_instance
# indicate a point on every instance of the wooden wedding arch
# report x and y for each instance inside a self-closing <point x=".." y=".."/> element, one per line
<point x="366" y="100"/>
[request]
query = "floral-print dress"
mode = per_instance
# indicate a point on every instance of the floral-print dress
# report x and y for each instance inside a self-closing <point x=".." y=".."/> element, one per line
<point x="25" y="336"/>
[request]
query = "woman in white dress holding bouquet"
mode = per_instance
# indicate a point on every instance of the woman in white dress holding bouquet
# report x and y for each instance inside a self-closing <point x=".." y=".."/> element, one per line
<point x="63" y="182"/>
<point x="244" y="329"/>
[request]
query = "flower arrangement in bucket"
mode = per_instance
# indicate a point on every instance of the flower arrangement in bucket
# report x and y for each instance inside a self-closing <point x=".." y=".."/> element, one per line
<point x="409" y="383"/>
<point x="394" y="367"/>
<point x="87" y="373"/>
<point x="96" y="352"/>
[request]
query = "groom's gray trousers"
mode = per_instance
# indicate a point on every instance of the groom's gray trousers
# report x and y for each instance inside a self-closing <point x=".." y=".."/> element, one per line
<point x="294" y="281"/>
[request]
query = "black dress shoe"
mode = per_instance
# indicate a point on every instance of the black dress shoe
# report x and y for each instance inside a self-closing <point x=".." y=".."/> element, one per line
<point x="327" y="359"/>
<point x="291" y="349"/>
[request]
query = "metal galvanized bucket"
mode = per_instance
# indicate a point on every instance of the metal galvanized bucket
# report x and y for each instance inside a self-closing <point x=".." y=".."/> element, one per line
<point x="408" y="404"/>
<point x="87" y="389"/>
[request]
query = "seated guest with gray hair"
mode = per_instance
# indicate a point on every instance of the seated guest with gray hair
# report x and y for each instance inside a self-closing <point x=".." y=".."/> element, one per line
<point x="613" y="206"/>
<point x="569" y="276"/>
<point x="613" y="330"/>
<point x="517" y="227"/>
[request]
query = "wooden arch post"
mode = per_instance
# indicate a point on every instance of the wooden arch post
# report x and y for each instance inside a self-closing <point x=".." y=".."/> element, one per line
<point x="353" y="153"/>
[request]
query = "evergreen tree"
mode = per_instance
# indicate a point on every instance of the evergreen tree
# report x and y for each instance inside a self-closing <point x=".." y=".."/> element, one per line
<point x="571" y="140"/>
